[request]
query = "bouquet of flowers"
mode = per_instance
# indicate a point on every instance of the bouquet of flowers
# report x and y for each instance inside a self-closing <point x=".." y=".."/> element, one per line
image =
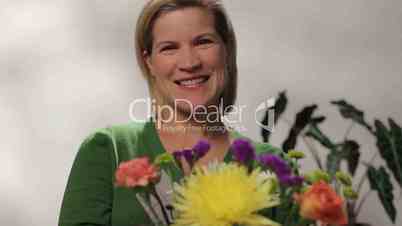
<point x="252" y="189"/>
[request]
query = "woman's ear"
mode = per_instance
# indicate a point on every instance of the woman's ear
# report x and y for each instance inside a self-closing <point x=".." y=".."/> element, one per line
<point x="148" y="61"/>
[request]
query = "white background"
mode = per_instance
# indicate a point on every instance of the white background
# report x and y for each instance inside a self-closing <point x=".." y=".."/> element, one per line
<point x="68" y="67"/>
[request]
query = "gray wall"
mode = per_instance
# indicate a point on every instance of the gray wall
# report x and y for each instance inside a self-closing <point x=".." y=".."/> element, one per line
<point x="68" y="67"/>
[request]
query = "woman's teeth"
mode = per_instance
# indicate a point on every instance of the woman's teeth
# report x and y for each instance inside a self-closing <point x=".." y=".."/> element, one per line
<point x="193" y="82"/>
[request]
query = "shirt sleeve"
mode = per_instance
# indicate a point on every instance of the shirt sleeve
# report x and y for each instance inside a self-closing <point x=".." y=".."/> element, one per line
<point x="88" y="197"/>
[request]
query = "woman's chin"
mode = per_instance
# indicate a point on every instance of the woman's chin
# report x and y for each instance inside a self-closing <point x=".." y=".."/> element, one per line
<point x="191" y="105"/>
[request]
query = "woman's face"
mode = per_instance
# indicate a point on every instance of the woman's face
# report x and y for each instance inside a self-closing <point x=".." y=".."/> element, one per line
<point x="187" y="58"/>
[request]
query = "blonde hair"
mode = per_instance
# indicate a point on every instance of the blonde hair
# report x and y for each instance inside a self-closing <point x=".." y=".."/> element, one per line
<point x="144" y="40"/>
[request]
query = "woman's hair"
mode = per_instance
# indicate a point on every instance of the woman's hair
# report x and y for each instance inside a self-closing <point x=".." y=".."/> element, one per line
<point x="144" y="39"/>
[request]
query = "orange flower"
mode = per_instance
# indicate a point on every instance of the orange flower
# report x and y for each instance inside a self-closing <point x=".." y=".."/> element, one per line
<point x="136" y="172"/>
<point x="320" y="202"/>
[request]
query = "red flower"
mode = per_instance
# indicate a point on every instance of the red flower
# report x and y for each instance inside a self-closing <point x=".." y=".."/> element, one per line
<point x="320" y="202"/>
<point x="136" y="172"/>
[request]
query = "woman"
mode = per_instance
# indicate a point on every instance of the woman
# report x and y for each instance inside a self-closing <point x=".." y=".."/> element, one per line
<point x="187" y="51"/>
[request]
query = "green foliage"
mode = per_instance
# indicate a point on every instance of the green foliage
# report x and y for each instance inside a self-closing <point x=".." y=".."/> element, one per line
<point x="315" y="132"/>
<point x="350" y="152"/>
<point x="303" y="118"/>
<point x="380" y="181"/>
<point x="389" y="142"/>
<point x="348" y="111"/>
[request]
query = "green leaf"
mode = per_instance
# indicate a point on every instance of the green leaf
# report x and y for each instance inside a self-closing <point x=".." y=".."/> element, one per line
<point x="280" y="106"/>
<point x="350" y="152"/>
<point x="317" y="120"/>
<point x="389" y="143"/>
<point x="380" y="181"/>
<point x="315" y="132"/>
<point x="348" y="111"/>
<point x="334" y="157"/>
<point x="303" y="118"/>
<point x="396" y="134"/>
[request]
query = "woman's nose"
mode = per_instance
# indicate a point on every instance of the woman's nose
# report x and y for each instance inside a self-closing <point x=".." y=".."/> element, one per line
<point x="189" y="60"/>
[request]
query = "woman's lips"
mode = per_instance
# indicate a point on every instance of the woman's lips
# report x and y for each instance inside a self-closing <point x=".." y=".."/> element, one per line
<point x="193" y="82"/>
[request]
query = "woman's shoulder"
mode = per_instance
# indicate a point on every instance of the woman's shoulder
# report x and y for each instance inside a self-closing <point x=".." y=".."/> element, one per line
<point x="88" y="197"/>
<point x="119" y="140"/>
<point x="115" y="133"/>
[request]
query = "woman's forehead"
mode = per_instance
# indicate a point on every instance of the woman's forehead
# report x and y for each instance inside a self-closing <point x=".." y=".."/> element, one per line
<point x="183" y="23"/>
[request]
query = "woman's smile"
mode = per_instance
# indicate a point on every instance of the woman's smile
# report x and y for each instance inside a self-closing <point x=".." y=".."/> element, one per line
<point x="192" y="82"/>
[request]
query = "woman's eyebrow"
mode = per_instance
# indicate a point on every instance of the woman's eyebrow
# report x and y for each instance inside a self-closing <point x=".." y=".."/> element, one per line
<point x="163" y="43"/>
<point x="207" y="34"/>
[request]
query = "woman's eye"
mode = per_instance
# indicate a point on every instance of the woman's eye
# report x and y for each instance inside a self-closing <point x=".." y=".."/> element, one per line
<point x="204" y="41"/>
<point x="167" y="48"/>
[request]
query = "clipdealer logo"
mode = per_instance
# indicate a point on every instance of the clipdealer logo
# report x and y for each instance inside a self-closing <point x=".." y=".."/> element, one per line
<point x="233" y="113"/>
<point x="266" y="107"/>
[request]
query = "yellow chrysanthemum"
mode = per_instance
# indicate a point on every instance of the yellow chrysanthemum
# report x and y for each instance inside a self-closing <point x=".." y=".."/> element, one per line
<point x="224" y="195"/>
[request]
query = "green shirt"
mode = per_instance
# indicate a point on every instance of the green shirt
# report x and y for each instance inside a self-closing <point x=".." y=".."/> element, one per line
<point x="91" y="198"/>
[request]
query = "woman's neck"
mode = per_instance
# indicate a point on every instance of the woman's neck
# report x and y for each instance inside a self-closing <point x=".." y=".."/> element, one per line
<point x="190" y="131"/>
<point x="198" y="124"/>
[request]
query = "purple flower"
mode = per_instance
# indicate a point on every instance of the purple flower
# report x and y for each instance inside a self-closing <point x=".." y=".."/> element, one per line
<point x="281" y="169"/>
<point x="275" y="163"/>
<point x="201" y="149"/>
<point x="243" y="151"/>
<point x="188" y="156"/>
<point x="192" y="155"/>
<point x="178" y="155"/>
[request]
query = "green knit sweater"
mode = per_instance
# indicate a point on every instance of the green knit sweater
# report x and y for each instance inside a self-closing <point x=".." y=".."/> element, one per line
<point x="91" y="198"/>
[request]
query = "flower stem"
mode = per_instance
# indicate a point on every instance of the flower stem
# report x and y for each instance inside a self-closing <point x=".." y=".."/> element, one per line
<point x="165" y="216"/>
<point x="297" y="173"/>
<point x="348" y="130"/>
<point x="290" y="216"/>
<point x="313" y="151"/>
<point x="359" y="207"/>
<point x="147" y="199"/>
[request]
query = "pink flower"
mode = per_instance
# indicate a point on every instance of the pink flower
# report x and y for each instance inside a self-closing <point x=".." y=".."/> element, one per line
<point x="320" y="202"/>
<point x="136" y="172"/>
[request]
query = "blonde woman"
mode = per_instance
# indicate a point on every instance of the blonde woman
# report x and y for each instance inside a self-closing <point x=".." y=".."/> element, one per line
<point x="186" y="50"/>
